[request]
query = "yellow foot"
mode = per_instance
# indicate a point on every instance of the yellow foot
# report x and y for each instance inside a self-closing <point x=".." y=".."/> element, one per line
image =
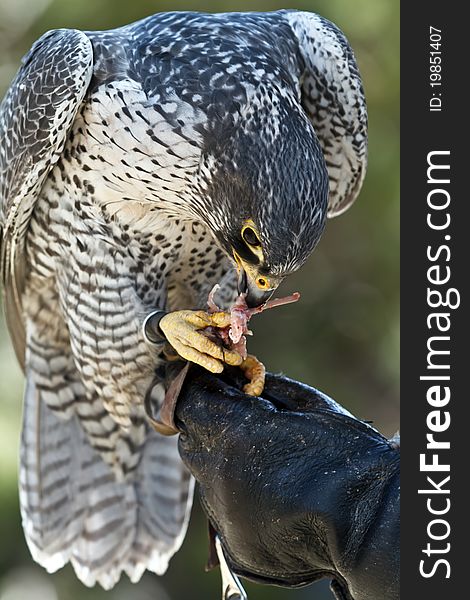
<point x="182" y="329"/>
<point x="255" y="371"/>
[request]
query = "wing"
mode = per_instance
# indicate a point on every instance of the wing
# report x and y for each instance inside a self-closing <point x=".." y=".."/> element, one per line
<point x="35" y="117"/>
<point x="333" y="98"/>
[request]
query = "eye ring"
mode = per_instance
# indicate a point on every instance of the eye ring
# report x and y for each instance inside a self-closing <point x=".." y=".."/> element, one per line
<point x="249" y="237"/>
<point x="262" y="283"/>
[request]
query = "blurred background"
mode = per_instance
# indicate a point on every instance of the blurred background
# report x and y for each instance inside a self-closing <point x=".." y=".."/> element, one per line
<point x="342" y="337"/>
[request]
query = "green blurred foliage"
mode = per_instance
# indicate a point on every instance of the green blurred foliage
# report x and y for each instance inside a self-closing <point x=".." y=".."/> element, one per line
<point x="343" y="337"/>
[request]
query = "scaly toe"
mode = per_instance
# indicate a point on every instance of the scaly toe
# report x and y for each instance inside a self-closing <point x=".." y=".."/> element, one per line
<point x="253" y="388"/>
<point x="255" y="371"/>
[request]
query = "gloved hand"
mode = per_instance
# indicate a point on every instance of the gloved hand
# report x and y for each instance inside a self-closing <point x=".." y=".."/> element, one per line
<point x="296" y="487"/>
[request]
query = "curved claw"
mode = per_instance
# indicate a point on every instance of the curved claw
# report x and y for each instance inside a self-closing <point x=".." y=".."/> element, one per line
<point x="182" y="330"/>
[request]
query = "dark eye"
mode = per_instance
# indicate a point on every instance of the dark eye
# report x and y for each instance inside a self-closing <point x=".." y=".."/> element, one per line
<point x="250" y="237"/>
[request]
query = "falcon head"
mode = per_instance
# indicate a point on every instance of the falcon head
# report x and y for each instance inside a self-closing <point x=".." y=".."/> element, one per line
<point x="267" y="197"/>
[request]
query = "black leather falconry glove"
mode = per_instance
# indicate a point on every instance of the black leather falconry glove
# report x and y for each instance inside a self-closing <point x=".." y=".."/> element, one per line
<point x="296" y="488"/>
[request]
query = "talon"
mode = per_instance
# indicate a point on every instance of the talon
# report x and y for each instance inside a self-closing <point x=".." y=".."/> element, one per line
<point x="183" y="328"/>
<point x="255" y="371"/>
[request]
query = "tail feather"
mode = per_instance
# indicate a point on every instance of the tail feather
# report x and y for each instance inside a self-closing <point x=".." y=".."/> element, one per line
<point x="76" y="509"/>
<point x="165" y="492"/>
<point x="108" y="529"/>
<point x="52" y="510"/>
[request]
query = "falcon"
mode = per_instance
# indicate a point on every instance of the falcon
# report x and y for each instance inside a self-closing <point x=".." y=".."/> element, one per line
<point x="139" y="167"/>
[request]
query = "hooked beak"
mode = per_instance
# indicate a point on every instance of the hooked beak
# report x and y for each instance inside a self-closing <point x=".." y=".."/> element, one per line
<point x="258" y="288"/>
<point x="254" y="296"/>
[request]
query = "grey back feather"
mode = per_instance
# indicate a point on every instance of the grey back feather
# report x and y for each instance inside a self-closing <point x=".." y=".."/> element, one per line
<point x="35" y="117"/>
<point x="333" y="98"/>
